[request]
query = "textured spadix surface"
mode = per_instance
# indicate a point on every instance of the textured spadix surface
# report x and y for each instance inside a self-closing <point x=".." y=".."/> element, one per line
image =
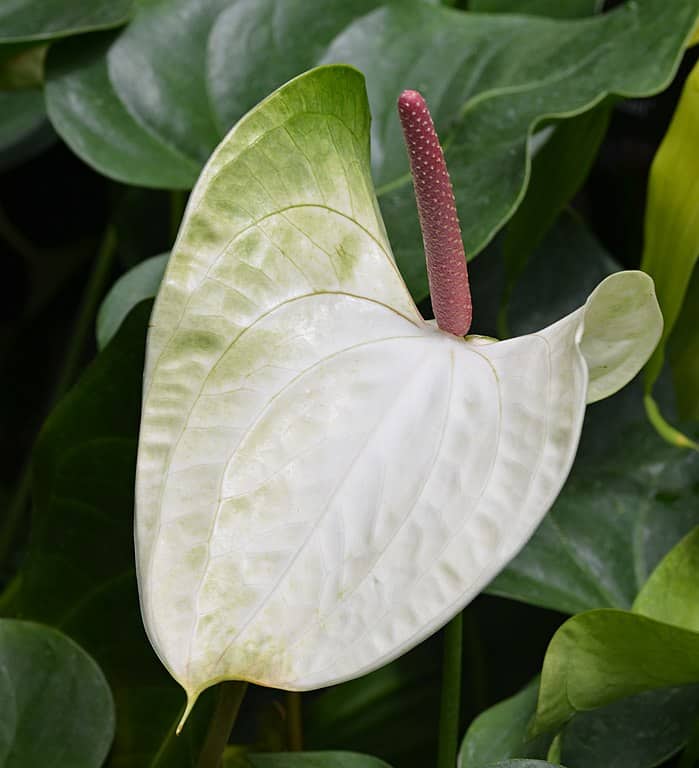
<point x="323" y="478"/>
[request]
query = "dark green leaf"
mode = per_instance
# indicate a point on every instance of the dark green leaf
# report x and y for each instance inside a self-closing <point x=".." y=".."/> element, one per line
<point x="23" y="128"/>
<point x="558" y="171"/>
<point x="79" y="570"/>
<point x="137" y="109"/>
<point x="569" y="9"/>
<point x="638" y="732"/>
<point x="500" y="732"/>
<point x="48" y="19"/>
<point x="141" y="282"/>
<point x="314" y="760"/>
<point x="57" y="709"/>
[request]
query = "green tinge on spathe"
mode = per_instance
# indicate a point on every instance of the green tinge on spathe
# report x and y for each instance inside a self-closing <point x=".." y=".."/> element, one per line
<point x="671" y="246"/>
<point x="324" y="479"/>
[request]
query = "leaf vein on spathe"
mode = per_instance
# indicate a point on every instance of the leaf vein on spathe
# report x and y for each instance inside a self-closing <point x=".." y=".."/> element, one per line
<point x="406" y="517"/>
<point x="328" y="503"/>
<point x="255" y="225"/>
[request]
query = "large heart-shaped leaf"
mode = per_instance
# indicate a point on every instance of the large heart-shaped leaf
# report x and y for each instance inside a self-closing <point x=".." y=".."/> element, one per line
<point x="55" y="705"/>
<point x="48" y="19"/>
<point x="149" y="106"/>
<point x="324" y="479"/>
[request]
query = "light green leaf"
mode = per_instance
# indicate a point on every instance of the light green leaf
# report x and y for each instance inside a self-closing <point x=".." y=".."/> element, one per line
<point x="137" y="108"/>
<point x="638" y="732"/>
<point x="56" y="707"/>
<point x="78" y="574"/>
<point x="684" y="352"/>
<point x="291" y="387"/>
<point x="139" y="283"/>
<point x="601" y="656"/>
<point x="670" y="594"/>
<point x="29" y="20"/>
<point x="671" y="245"/>
<point x="568" y="9"/>
<point x="598" y="657"/>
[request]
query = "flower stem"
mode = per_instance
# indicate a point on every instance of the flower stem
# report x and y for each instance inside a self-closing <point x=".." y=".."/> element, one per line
<point x="294" y="721"/>
<point x="230" y="697"/>
<point x="451" y="694"/>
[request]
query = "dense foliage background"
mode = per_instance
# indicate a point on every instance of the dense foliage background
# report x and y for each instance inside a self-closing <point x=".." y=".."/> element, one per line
<point x="551" y="121"/>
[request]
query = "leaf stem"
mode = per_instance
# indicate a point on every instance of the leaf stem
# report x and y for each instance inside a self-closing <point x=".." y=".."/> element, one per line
<point x="230" y="697"/>
<point x="451" y="693"/>
<point x="92" y="295"/>
<point x="294" y="721"/>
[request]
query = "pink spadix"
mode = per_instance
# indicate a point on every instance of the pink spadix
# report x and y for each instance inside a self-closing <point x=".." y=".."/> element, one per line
<point x="441" y="234"/>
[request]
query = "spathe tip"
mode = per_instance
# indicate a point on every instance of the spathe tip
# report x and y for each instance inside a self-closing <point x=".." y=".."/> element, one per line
<point x="191" y="701"/>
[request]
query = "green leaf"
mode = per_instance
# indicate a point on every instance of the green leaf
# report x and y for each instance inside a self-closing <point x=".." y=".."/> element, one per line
<point x="23" y="126"/>
<point x="638" y="732"/>
<point x="56" y="705"/>
<point x="501" y="732"/>
<point x="523" y="764"/>
<point x="569" y="9"/>
<point x="78" y="574"/>
<point x="671" y="245"/>
<point x="137" y="108"/>
<point x="670" y="593"/>
<point x="49" y="19"/>
<point x="684" y="352"/>
<point x="609" y="527"/>
<point x="282" y="314"/>
<point x="139" y="283"/>
<point x="558" y="171"/>
<point x="601" y="656"/>
<point x="312" y="760"/>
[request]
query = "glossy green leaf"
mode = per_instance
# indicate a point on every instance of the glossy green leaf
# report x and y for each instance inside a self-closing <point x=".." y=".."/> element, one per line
<point x="684" y="352"/>
<point x="671" y="245"/>
<point x="500" y="732"/>
<point x="282" y="313"/>
<point x="638" y="732"/>
<point x="136" y="109"/>
<point x="615" y="519"/>
<point x="523" y="764"/>
<point x="22" y="128"/>
<point x="601" y="656"/>
<point x="568" y="9"/>
<point x="310" y="760"/>
<point x="29" y="20"/>
<point x="670" y="593"/>
<point x="55" y="705"/>
<point x="78" y="573"/>
<point x="139" y="283"/>
<point x="558" y="171"/>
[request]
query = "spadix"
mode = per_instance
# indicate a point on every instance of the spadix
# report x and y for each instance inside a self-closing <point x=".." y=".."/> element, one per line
<point x="324" y="479"/>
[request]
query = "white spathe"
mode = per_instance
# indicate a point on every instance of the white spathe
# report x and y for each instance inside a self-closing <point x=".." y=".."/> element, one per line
<point x="324" y="479"/>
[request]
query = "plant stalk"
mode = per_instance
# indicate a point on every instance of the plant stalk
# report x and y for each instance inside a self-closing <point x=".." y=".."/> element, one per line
<point x="294" y="721"/>
<point x="92" y="296"/>
<point x="230" y="697"/>
<point x="451" y="694"/>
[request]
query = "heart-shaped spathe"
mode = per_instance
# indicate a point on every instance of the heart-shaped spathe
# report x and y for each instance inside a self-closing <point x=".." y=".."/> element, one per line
<point x="324" y="478"/>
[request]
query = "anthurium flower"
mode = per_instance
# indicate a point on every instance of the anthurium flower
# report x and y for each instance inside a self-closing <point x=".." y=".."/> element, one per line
<point x="325" y="478"/>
